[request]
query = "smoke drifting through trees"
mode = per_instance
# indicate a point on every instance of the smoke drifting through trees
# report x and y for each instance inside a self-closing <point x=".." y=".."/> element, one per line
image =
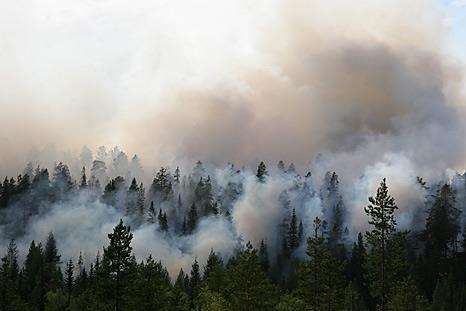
<point x="180" y="215"/>
<point x="302" y="229"/>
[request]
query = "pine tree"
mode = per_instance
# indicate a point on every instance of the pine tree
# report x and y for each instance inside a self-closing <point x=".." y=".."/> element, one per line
<point x="141" y="201"/>
<point x="180" y="300"/>
<point x="381" y="212"/>
<point x="83" y="181"/>
<point x="442" y="229"/>
<point x="261" y="172"/>
<point x="131" y="198"/>
<point x="117" y="264"/>
<point x="161" y="188"/>
<point x="176" y="176"/>
<point x="69" y="279"/>
<point x="152" y="213"/>
<point x="33" y="289"/>
<point x="320" y="280"/>
<point x="194" y="284"/>
<point x="356" y="269"/>
<point x="248" y="284"/>
<point x="264" y="256"/>
<point x="163" y="222"/>
<point x="151" y="287"/>
<point x="192" y="219"/>
<point x="9" y="279"/>
<point x="52" y="275"/>
<point x="214" y="273"/>
<point x="292" y="233"/>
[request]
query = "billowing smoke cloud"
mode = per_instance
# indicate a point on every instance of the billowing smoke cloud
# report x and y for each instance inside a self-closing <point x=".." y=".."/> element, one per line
<point x="228" y="82"/>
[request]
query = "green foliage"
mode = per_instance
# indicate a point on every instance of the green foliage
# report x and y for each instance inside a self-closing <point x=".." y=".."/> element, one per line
<point x="405" y="296"/>
<point x="290" y="303"/>
<point x="192" y="219"/>
<point x="212" y="301"/>
<point x="214" y="273"/>
<point x="320" y="283"/>
<point x="384" y="260"/>
<point x="118" y="265"/>
<point x="247" y="283"/>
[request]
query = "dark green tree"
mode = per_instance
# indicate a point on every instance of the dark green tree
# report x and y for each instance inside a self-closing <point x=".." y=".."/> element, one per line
<point x="69" y="278"/>
<point x="292" y="232"/>
<point x="214" y="273"/>
<point x="192" y="219"/>
<point x="381" y="213"/>
<point x="320" y="280"/>
<point x="264" y="256"/>
<point x="194" y="285"/>
<point x="248" y="284"/>
<point x="117" y="265"/>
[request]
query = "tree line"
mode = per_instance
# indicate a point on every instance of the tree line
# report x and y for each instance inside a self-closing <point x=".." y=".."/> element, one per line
<point x="383" y="268"/>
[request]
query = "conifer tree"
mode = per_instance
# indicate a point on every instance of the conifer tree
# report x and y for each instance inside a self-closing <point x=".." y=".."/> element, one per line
<point x="381" y="212"/>
<point x="151" y="287"/>
<point x="69" y="279"/>
<point x="261" y="172"/>
<point x="83" y="181"/>
<point x="214" y="273"/>
<point x="52" y="275"/>
<point x="10" y="279"/>
<point x="140" y="201"/>
<point x="152" y="213"/>
<point x="117" y="265"/>
<point x="292" y="233"/>
<point x="163" y="222"/>
<point x="192" y="219"/>
<point x="264" y="256"/>
<point x="320" y="280"/>
<point x="248" y="284"/>
<point x="442" y="229"/>
<point x="176" y="176"/>
<point x="194" y="284"/>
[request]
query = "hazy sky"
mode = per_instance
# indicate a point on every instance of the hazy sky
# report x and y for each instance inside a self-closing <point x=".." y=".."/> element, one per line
<point x="227" y="80"/>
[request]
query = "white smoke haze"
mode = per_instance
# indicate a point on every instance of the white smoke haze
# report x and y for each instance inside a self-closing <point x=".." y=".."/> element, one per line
<point x="364" y="89"/>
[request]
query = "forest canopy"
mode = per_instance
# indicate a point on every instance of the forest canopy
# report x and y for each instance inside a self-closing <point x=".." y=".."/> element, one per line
<point x="266" y="238"/>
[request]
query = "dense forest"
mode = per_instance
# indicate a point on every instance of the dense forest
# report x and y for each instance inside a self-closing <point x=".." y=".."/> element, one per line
<point x="317" y="262"/>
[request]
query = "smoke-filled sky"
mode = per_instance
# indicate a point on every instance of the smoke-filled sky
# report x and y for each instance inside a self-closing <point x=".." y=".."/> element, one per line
<point x="235" y="81"/>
